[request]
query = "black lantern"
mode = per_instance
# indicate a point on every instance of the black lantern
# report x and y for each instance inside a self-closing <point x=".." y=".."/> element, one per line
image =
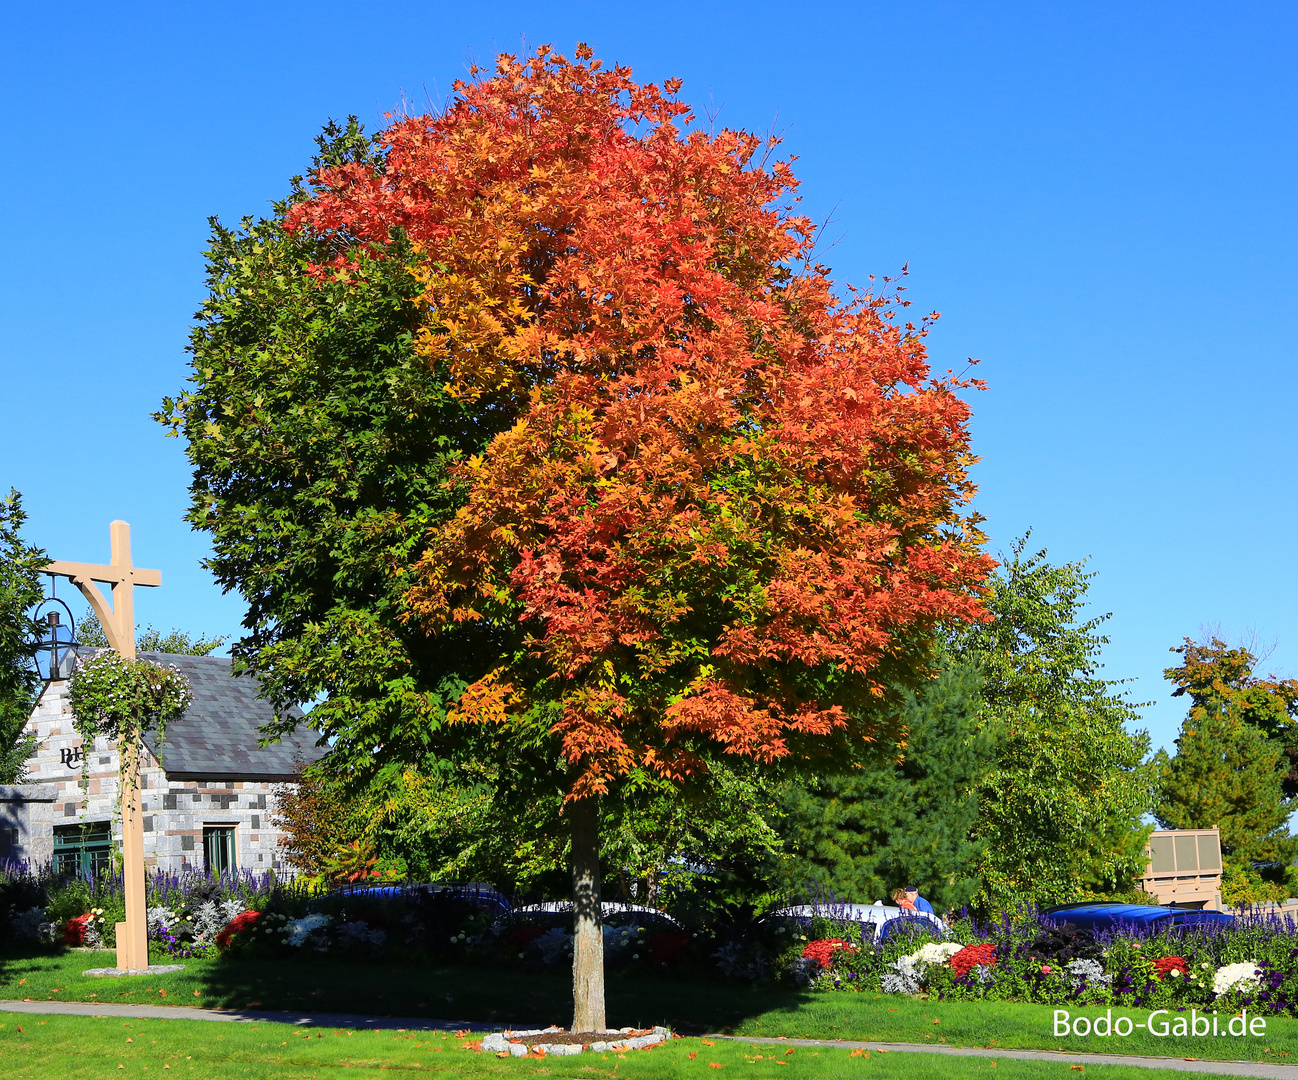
<point x="57" y="653"/>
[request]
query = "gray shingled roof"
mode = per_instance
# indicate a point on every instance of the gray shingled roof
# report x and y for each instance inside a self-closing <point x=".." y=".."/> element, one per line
<point x="218" y="736"/>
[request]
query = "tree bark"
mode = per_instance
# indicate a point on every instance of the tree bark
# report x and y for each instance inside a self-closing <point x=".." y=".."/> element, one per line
<point x="588" y="919"/>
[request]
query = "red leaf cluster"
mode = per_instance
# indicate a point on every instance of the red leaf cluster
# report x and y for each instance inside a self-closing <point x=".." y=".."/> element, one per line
<point x="245" y="920"/>
<point x="724" y="507"/>
<point x="1165" y="965"/>
<point x="823" y="951"/>
<point x="970" y="957"/>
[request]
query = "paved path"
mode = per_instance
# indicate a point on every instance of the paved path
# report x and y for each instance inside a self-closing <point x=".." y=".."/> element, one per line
<point x="1227" y="1068"/>
<point x="1264" y="1070"/>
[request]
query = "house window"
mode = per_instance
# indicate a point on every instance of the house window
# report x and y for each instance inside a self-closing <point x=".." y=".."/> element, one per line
<point x="218" y="848"/>
<point x="84" y="849"/>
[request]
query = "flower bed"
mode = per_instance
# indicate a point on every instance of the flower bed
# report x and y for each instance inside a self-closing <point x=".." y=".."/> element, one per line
<point x="1253" y="964"/>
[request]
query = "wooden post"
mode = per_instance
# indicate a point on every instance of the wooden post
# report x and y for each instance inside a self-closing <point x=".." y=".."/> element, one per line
<point x="118" y="621"/>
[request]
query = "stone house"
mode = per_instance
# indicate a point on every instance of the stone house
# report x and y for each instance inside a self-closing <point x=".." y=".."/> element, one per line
<point x="209" y="789"/>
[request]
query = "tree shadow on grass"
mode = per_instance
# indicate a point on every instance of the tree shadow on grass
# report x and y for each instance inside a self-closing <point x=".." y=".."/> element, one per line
<point x="482" y="995"/>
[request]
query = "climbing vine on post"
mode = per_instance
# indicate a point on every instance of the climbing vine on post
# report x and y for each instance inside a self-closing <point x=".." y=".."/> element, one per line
<point x="122" y="699"/>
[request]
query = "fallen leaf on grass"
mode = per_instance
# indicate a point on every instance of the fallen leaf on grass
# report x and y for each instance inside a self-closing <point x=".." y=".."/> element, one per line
<point x="860" y="1053"/>
<point x="693" y="1053"/>
<point x="707" y="1042"/>
<point x="715" y="1065"/>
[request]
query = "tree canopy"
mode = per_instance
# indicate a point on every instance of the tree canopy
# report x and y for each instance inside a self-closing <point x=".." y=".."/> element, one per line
<point x="540" y="424"/>
<point x="151" y="639"/>
<point x="1060" y="812"/>
<point x="20" y="591"/>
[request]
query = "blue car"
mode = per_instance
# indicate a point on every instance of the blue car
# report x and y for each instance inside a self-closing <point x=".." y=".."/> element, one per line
<point x="1108" y="914"/>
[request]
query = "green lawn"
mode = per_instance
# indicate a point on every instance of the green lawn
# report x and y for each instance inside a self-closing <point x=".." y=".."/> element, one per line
<point x="485" y="997"/>
<point x="448" y="993"/>
<point x="84" y="1048"/>
<point x="894" y="1018"/>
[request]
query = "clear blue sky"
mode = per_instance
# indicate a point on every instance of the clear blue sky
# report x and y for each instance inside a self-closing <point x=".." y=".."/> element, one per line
<point x="1099" y="198"/>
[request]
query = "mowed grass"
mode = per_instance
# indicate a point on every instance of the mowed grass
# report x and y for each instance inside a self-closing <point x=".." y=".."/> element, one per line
<point x="896" y="1018"/>
<point x="446" y="993"/>
<point x="492" y="998"/>
<point x="72" y="1048"/>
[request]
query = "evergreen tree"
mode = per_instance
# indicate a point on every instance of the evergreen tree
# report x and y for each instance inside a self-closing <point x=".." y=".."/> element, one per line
<point x="1059" y="814"/>
<point x="20" y="590"/>
<point x="1227" y="771"/>
<point x="1217" y="677"/>
<point x="865" y="833"/>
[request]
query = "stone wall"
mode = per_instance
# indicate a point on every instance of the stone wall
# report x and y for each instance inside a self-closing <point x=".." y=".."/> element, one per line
<point x="175" y="810"/>
<point x="27" y="822"/>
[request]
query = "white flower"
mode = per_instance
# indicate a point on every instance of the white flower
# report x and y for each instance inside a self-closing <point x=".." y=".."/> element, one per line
<point x="1235" y="977"/>
<point x="301" y="929"/>
<point x="935" y="953"/>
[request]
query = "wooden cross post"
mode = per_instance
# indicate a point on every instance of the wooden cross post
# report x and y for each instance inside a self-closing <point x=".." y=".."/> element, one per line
<point x="118" y="621"/>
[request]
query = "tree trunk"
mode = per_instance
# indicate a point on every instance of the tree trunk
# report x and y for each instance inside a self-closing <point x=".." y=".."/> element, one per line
<point x="588" y="919"/>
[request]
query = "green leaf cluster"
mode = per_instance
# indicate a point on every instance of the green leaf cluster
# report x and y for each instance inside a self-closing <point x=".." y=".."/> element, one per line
<point x="113" y="697"/>
<point x="1060" y="812"/>
<point x="91" y="632"/>
<point x="320" y="444"/>
<point x="20" y="591"/>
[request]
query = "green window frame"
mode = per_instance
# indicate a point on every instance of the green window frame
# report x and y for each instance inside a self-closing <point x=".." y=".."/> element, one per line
<point x="85" y="849"/>
<point x="219" y="849"/>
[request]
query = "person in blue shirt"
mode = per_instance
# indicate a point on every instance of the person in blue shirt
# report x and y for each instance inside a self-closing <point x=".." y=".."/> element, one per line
<point x="912" y="893"/>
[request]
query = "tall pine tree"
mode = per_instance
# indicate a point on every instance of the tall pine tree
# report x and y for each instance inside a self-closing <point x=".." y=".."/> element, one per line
<point x="865" y="833"/>
<point x="1230" y="766"/>
<point x="1217" y="677"/>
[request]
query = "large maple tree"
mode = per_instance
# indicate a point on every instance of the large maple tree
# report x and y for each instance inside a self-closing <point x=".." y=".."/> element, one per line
<point x="726" y="512"/>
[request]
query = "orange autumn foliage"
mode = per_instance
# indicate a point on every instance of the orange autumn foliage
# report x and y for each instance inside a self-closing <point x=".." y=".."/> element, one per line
<point x="725" y="510"/>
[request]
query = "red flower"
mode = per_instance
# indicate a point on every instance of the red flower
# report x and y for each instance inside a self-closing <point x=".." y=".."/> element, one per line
<point x="245" y="920"/>
<point x="522" y="936"/>
<point x="1045" y="969"/>
<point x="666" y="946"/>
<point x="75" y="932"/>
<point x="1165" y="965"/>
<point x="823" y="951"/>
<point x="972" y="956"/>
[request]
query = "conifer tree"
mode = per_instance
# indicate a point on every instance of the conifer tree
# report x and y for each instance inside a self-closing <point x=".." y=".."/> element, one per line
<point x="1225" y="772"/>
<point x="1216" y="676"/>
<point x="865" y="833"/>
